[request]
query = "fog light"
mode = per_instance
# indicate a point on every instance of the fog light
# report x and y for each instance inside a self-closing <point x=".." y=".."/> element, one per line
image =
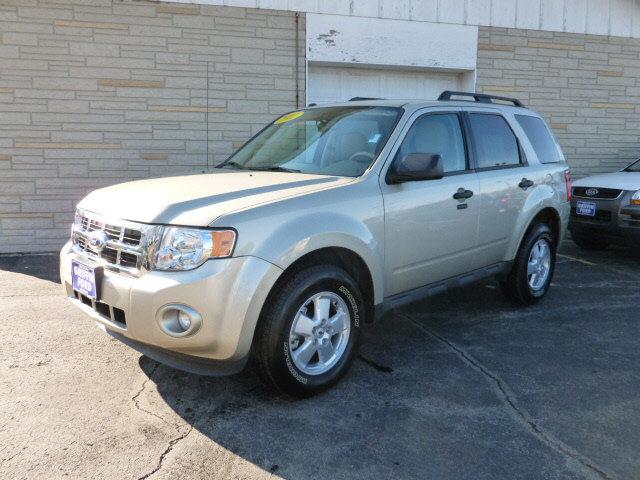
<point x="178" y="320"/>
<point x="184" y="320"/>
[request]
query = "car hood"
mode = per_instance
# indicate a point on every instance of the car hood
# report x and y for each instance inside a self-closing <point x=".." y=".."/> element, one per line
<point x="618" y="180"/>
<point x="197" y="200"/>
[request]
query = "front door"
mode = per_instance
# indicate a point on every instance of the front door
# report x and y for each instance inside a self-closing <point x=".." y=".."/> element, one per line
<point x="429" y="234"/>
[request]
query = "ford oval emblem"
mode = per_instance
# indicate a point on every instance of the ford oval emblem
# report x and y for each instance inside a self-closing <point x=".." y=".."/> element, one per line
<point x="97" y="240"/>
<point x="592" y="192"/>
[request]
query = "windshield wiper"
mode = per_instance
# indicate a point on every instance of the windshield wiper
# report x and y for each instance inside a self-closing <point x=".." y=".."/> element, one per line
<point x="274" y="169"/>
<point x="231" y="164"/>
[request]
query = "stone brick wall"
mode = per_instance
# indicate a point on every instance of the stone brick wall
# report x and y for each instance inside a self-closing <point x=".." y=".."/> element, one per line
<point x="96" y="92"/>
<point x="587" y="87"/>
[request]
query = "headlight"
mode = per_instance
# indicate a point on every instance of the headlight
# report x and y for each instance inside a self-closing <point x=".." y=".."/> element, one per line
<point x="635" y="199"/>
<point x="188" y="248"/>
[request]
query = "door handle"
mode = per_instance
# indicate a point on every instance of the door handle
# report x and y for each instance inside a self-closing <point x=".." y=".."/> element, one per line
<point x="525" y="183"/>
<point x="462" y="194"/>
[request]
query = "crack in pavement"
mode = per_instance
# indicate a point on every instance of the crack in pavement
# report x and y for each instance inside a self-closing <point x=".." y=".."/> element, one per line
<point x="509" y="399"/>
<point x="373" y="364"/>
<point x="142" y="409"/>
<point x="221" y="409"/>
<point x="172" y="443"/>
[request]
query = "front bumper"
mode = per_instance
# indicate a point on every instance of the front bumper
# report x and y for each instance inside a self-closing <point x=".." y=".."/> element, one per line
<point x="227" y="293"/>
<point x="616" y="220"/>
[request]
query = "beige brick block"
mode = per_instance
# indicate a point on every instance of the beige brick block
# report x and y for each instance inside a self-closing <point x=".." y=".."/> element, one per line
<point x="94" y="25"/>
<point x="610" y="73"/>
<point x="178" y="9"/>
<point x="154" y="156"/>
<point x="112" y="82"/>
<point x="555" y="46"/>
<point x="5" y="157"/>
<point x="177" y="108"/>
<point x="7" y="90"/>
<point x="496" y="48"/>
<point x="615" y="106"/>
<point x="70" y="146"/>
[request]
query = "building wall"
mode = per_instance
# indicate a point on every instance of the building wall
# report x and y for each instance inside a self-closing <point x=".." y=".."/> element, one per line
<point x="96" y="92"/>
<point x="598" y="17"/>
<point x="587" y="86"/>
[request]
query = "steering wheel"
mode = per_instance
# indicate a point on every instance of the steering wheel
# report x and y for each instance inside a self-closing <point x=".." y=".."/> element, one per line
<point x="368" y="157"/>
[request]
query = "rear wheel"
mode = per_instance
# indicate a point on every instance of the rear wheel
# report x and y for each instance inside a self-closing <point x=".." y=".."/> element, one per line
<point x="533" y="267"/>
<point x="589" y="243"/>
<point x="309" y="333"/>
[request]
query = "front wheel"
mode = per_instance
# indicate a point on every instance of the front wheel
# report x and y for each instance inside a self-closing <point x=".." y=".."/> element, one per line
<point x="309" y="332"/>
<point x="533" y="267"/>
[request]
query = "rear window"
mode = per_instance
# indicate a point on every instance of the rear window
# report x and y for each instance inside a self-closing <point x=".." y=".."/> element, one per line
<point x="495" y="142"/>
<point x="541" y="139"/>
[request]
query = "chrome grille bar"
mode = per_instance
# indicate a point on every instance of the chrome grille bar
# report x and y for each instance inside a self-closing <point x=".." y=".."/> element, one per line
<point x="118" y="245"/>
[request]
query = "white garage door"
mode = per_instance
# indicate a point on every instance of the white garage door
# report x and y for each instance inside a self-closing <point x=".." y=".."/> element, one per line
<point x="339" y="84"/>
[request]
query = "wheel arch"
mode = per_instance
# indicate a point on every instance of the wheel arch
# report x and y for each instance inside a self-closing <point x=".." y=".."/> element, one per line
<point x="548" y="215"/>
<point x="341" y="257"/>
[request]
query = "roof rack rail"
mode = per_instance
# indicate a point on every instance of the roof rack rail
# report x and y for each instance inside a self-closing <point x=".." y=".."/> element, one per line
<point x="480" y="97"/>
<point x="358" y="99"/>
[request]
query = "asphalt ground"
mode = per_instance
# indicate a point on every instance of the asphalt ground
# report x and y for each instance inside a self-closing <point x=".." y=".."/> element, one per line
<point x="462" y="386"/>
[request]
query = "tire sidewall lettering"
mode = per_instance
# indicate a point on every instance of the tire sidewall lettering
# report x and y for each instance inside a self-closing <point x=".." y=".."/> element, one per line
<point x="292" y="369"/>
<point x="354" y="305"/>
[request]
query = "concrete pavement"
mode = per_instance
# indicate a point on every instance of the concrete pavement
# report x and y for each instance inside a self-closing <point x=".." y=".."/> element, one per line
<point x="463" y="386"/>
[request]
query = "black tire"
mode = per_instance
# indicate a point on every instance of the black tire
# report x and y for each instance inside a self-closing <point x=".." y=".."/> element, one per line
<point x="589" y="243"/>
<point x="516" y="286"/>
<point x="271" y="350"/>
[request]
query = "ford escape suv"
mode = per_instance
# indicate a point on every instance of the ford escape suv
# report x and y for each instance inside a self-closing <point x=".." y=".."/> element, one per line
<point x="327" y="218"/>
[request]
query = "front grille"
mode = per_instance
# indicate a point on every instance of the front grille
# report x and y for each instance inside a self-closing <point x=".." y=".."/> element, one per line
<point x="118" y="245"/>
<point x="601" y="216"/>
<point x="596" y="193"/>
<point x="109" y="312"/>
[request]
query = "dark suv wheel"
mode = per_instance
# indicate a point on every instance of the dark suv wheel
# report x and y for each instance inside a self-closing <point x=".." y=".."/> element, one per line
<point x="309" y="332"/>
<point x="533" y="267"/>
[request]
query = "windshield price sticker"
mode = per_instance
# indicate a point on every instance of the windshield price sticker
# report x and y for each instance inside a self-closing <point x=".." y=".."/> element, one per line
<point x="288" y="117"/>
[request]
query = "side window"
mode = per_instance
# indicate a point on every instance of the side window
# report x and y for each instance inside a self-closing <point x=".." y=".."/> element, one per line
<point x="495" y="143"/>
<point x="440" y="134"/>
<point x="543" y="143"/>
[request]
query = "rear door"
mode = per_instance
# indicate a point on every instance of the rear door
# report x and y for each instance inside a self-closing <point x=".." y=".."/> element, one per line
<point x="429" y="234"/>
<point x="504" y="177"/>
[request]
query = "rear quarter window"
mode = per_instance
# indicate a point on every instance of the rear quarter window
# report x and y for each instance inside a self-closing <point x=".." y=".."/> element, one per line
<point x="542" y="141"/>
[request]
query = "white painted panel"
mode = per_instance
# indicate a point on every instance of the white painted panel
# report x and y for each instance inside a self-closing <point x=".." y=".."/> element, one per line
<point x="303" y="5"/>
<point x="273" y="4"/>
<point x="394" y="9"/>
<point x="636" y="20"/>
<point x="479" y="12"/>
<point x="621" y="15"/>
<point x="339" y="84"/>
<point x="424" y="10"/>
<point x="575" y="14"/>
<point x="365" y="8"/>
<point x="598" y="17"/>
<point x="451" y="11"/>
<point x="369" y="41"/>
<point x="552" y="15"/>
<point x="241" y="3"/>
<point x="503" y="13"/>
<point x="336" y="7"/>
<point x="528" y="14"/>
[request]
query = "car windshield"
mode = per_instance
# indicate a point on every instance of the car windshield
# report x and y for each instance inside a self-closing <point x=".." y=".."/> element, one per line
<point x="341" y="141"/>
<point x="634" y="167"/>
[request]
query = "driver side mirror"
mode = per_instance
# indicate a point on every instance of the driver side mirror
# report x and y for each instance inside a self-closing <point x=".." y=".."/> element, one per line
<point x="415" y="167"/>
